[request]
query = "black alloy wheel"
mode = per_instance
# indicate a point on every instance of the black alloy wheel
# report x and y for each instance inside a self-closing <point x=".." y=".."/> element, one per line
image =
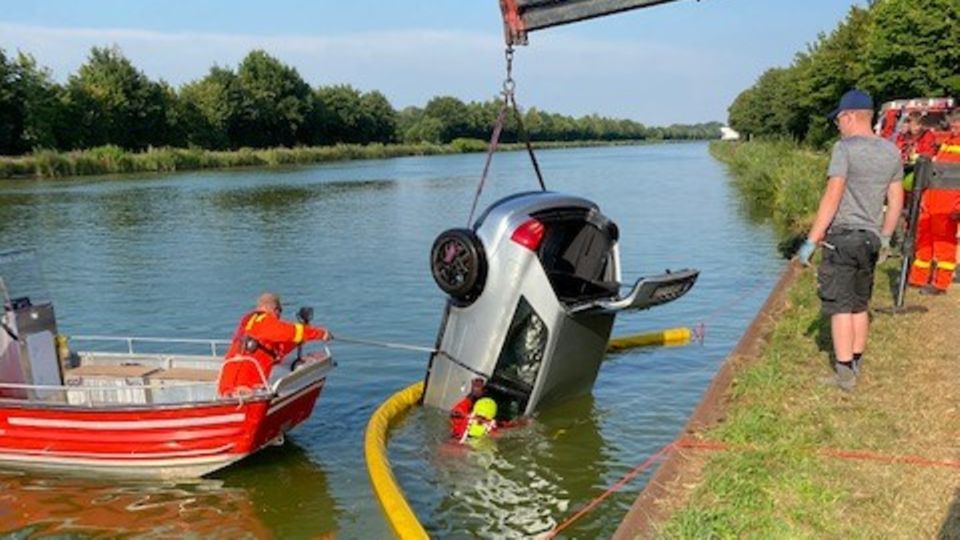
<point x="458" y="264"/>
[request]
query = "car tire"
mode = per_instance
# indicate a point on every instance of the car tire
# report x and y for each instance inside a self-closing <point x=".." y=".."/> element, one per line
<point x="458" y="264"/>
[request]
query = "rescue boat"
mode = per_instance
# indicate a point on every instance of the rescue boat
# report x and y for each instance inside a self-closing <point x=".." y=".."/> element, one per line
<point x="134" y="407"/>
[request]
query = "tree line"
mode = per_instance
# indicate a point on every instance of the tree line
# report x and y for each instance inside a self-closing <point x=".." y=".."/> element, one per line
<point x="892" y="49"/>
<point x="262" y="103"/>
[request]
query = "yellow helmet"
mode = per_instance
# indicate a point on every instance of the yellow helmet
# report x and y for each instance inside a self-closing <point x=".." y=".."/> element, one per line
<point x="485" y="408"/>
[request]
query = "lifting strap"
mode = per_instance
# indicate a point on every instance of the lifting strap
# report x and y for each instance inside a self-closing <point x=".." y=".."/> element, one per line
<point x="509" y="104"/>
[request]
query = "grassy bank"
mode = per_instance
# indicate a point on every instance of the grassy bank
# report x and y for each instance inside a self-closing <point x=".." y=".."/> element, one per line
<point x="775" y="482"/>
<point x="113" y="159"/>
<point x="780" y="476"/>
<point x="779" y="181"/>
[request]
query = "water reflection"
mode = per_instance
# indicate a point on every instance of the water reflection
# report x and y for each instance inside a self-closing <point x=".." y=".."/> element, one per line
<point x="128" y="209"/>
<point x="38" y="505"/>
<point x="518" y="484"/>
<point x="279" y="492"/>
<point x="289" y="490"/>
<point x="270" y="198"/>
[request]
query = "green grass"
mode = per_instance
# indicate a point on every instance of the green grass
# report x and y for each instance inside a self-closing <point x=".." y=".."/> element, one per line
<point x="774" y="483"/>
<point x="113" y="159"/>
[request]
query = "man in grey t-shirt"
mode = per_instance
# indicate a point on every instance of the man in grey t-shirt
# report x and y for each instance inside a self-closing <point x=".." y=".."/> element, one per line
<point x="852" y="227"/>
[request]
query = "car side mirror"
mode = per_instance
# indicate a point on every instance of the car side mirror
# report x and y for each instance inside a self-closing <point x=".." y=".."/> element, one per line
<point x="305" y="314"/>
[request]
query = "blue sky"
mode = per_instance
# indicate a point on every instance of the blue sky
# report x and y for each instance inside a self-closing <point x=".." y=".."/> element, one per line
<point x="678" y="62"/>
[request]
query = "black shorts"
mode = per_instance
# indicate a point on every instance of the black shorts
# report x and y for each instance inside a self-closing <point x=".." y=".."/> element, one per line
<point x="845" y="277"/>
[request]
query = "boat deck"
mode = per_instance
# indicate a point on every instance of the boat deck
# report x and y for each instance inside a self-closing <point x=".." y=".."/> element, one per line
<point x="141" y="379"/>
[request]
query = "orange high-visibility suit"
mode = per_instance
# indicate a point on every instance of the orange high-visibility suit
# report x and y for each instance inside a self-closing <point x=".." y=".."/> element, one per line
<point x="271" y="339"/>
<point x="936" y="257"/>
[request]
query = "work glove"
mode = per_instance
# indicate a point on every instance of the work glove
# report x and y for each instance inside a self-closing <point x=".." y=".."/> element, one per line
<point x="884" y="249"/>
<point x="806" y="252"/>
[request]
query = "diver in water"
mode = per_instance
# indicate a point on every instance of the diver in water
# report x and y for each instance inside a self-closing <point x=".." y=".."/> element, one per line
<point x="482" y="420"/>
<point x="461" y="411"/>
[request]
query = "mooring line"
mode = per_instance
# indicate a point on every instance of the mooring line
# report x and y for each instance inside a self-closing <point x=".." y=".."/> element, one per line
<point x="611" y="490"/>
<point x="708" y="445"/>
<point x="699" y="329"/>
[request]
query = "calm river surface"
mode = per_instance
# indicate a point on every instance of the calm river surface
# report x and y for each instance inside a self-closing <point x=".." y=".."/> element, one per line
<point x="185" y="255"/>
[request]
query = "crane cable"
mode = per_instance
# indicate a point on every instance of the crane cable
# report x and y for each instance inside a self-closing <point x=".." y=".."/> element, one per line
<point x="509" y="104"/>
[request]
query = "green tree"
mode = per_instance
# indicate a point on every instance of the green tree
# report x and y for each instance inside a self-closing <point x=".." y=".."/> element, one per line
<point x="378" y="118"/>
<point x="452" y="114"/>
<point x="42" y="108"/>
<point x="109" y="101"/>
<point x="11" y="108"/>
<point x="337" y="115"/>
<point x="913" y="49"/>
<point x="770" y="107"/>
<point x="28" y="105"/>
<point x="425" y="129"/>
<point x="831" y="67"/>
<point x="275" y="103"/>
<point x="208" y="109"/>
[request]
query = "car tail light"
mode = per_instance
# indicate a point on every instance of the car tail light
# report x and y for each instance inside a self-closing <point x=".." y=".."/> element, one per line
<point x="529" y="234"/>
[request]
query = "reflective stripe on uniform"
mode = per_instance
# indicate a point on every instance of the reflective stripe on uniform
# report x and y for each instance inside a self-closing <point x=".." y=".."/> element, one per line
<point x="946" y="266"/>
<point x="921" y="264"/>
<point x="950" y="148"/>
<point x="298" y="333"/>
<point x="254" y="320"/>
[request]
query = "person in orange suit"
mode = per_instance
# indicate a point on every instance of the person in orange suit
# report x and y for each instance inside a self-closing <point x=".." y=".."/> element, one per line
<point x="935" y="259"/>
<point x="263" y="336"/>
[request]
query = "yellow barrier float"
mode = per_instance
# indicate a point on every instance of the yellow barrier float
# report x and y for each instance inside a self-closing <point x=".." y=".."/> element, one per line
<point x="395" y="506"/>
<point x="671" y="337"/>
<point x="400" y="515"/>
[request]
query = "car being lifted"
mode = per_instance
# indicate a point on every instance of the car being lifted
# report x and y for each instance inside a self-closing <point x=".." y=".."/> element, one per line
<point x="533" y="290"/>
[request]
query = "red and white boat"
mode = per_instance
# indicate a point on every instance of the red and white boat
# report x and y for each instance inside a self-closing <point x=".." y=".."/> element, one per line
<point x="145" y="411"/>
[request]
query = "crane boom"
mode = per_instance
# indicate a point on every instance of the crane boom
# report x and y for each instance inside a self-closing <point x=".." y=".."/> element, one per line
<point x="523" y="16"/>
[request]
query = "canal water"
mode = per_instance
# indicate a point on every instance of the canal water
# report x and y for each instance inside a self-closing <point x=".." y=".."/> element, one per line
<point x="185" y="255"/>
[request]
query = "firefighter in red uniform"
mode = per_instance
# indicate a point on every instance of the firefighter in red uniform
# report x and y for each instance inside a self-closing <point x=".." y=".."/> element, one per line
<point x="936" y="257"/>
<point x="917" y="139"/>
<point x="264" y="337"/>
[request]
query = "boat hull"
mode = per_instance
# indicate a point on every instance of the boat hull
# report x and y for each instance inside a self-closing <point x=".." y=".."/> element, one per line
<point x="159" y="442"/>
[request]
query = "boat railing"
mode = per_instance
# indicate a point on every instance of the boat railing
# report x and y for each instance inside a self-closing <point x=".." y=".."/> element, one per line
<point x="125" y="394"/>
<point x="86" y="388"/>
<point x="243" y="359"/>
<point x="215" y="345"/>
<point x="131" y="390"/>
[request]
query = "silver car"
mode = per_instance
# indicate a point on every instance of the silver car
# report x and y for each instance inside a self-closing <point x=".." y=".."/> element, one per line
<point x="533" y="291"/>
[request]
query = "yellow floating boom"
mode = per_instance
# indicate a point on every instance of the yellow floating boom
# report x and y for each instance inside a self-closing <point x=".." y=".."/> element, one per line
<point x="668" y="337"/>
<point x="395" y="506"/>
<point x="400" y="516"/>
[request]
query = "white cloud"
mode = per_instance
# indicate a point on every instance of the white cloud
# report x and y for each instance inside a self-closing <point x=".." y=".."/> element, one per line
<point x="651" y="82"/>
